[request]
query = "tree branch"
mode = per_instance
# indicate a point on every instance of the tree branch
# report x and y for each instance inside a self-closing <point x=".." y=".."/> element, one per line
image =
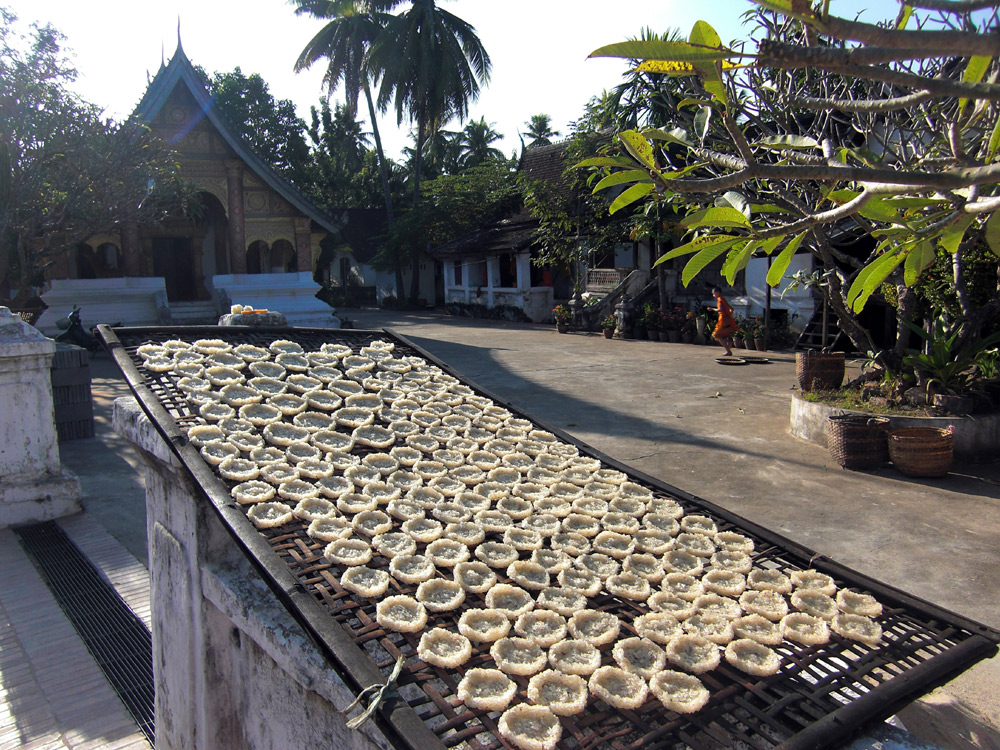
<point x="864" y="106"/>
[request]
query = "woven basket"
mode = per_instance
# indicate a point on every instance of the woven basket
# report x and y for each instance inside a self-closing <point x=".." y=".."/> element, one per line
<point x="819" y="370"/>
<point x="921" y="451"/>
<point x="858" y="441"/>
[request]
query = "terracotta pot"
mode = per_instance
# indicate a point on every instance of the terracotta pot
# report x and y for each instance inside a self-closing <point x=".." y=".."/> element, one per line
<point x="674" y="336"/>
<point x="761" y="344"/>
<point x="750" y="344"/>
<point x="609" y="333"/>
<point x="687" y="338"/>
<point x="562" y="327"/>
<point x="738" y="342"/>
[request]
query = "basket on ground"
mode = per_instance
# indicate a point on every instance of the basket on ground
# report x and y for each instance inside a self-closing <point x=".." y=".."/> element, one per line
<point x="819" y="370"/>
<point x="858" y="441"/>
<point x="921" y="451"/>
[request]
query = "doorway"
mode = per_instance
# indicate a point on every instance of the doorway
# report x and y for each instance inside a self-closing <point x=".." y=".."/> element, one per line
<point x="173" y="259"/>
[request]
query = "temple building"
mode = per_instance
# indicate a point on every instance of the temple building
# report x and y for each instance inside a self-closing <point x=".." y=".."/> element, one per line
<point x="257" y="241"/>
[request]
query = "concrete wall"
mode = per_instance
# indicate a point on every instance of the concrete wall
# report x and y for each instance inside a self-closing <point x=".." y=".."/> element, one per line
<point x="232" y="670"/>
<point x="977" y="438"/>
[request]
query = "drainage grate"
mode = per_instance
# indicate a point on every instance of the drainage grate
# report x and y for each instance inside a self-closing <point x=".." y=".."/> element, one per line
<point x="117" y="639"/>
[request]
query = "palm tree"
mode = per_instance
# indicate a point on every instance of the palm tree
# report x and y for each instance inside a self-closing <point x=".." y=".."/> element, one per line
<point x="351" y="29"/>
<point x="344" y="42"/>
<point x="540" y="130"/>
<point x="476" y="142"/>
<point x="432" y="66"/>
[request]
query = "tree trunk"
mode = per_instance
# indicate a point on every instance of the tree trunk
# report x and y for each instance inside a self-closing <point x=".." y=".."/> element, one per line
<point x="383" y="169"/>
<point x="418" y="165"/>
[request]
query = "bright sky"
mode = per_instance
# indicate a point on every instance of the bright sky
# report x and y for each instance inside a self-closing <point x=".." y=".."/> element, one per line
<point x="539" y="48"/>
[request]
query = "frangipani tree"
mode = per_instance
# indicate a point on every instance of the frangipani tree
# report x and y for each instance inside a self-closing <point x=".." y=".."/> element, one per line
<point x="829" y="125"/>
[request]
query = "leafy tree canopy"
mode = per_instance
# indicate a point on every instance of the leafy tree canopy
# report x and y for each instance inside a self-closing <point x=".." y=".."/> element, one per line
<point x="66" y="173"/>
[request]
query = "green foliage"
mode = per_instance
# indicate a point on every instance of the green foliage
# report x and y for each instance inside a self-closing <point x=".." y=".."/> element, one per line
<point x="539" y="130"/>
<point x="66" y="173"/>
<point x="451" y="206"/>
<point x="562" y="315"/>
<point x="944" y="366"/>
<point x="609" y="322"/>
<point x="573" y="222"/>
<point x="270" y="126"/>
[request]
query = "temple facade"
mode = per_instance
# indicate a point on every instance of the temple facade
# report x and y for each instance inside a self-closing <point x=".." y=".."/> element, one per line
<point x="256" y="242"/>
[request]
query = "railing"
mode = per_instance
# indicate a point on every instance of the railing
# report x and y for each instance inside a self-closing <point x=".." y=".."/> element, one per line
<point x="604" y="279"/>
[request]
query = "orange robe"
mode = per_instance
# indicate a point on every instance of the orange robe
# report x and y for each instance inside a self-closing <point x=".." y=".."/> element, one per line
<point x="726" y="325"/>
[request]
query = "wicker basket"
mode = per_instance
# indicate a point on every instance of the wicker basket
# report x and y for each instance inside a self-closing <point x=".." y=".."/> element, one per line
<point x="819" y="370"/>
<point x="921" y="451"/>
<point x="857" y="441"/>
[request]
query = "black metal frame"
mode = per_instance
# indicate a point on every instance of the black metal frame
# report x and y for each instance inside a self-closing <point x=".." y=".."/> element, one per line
<point x="955" y="642"/>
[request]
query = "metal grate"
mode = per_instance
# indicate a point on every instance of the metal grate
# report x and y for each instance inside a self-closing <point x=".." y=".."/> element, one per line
<point x="117" y="639"/>
<point x="821" y="695"/>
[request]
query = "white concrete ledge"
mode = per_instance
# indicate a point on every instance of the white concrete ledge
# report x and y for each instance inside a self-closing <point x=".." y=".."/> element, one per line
<point x="977" y="436"/>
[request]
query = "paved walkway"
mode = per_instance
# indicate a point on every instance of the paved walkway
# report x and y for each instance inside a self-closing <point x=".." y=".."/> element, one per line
<point x="666" y="409"/>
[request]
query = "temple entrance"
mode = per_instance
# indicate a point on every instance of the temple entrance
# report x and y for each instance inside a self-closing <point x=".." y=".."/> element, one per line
<point x="173" y="259"/>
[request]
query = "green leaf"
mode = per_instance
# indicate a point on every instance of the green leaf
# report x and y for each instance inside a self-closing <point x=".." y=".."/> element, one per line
<point x="777" y="271"/>
<point x="993" y="233"/>
<point x="788" y="8"/>
<point x="661" y="50"/>
<point x="630" y="196"/>
<point x="788" y="141"/>
<point x="698" y="244"/>
<point x="767" y="208"/>
<point x="878" y="210"/>
<point x="676" y="135"/>
<point x="606" y="161"/>
<point x="840" y="197"/>
<point x="870" y="278"/>
<point x="994" y="142"/>
<point x="952" y="236"/>
<point x="697" y="264"/>
<point x="716" y="216"/>
<point x="711" y="79"/>
<point x="737" y="260"/>
<point x="639" y="147"/>
<point x="705" y="35"/>
<point x="904" y="16"/>
<point x="701" y="122"/>
<point x="631" y="175"/>
<point x="920" y="256"/>
<point x="974" y="73"/>
<point x="769" y="244"/>
<point x="692" y="103"/>
<point x="735" y="200"/>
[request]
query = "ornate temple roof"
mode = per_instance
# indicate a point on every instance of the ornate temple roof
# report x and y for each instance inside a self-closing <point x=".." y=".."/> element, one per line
<point x="180" y="72"/>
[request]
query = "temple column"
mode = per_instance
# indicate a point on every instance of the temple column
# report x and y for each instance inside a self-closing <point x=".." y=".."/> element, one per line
<point x="237" y="230"/>
<point x="131" y="248"/>
<point x="303" y="245"/>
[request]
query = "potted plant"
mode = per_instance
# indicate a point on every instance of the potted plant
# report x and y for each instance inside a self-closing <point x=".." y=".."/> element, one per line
<point x="747" y="331"/>
<point x="688" y="328"/>
<point x="608" y="326"/>
<point x="947" y="375"/>
<point x="562" y="316"/>
<point x="651" y="319"/>
<point x="674" y="318"/>
<point x="738" y="342"/>
<point x="760" y="343"/>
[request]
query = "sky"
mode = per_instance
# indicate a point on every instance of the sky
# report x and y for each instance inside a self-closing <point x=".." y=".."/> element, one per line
<point x="538" y="48"/>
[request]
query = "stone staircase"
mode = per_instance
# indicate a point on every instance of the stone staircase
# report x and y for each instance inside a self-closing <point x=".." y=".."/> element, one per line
<point x="200" y="312"/>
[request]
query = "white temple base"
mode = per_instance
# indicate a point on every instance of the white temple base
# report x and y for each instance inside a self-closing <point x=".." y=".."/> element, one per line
<point x="291" y="294"/>
<point x="132" y="301"/>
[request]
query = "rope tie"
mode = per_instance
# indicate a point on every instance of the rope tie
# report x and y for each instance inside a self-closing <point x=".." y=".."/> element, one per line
<point x="377" y="692"/>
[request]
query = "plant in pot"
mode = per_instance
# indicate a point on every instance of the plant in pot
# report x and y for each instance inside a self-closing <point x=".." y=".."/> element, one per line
<point x="738" y="337"/>
<point x="651" y="322"/>
<point x="608" y="326"/>
<point x="562" y="316"/>
<point x="747" y="329"/>
<point x="760" y="343"/>
<point x="948" y="376"/>
<point x="688" y="328"/>
<point x="674" y="319"/>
